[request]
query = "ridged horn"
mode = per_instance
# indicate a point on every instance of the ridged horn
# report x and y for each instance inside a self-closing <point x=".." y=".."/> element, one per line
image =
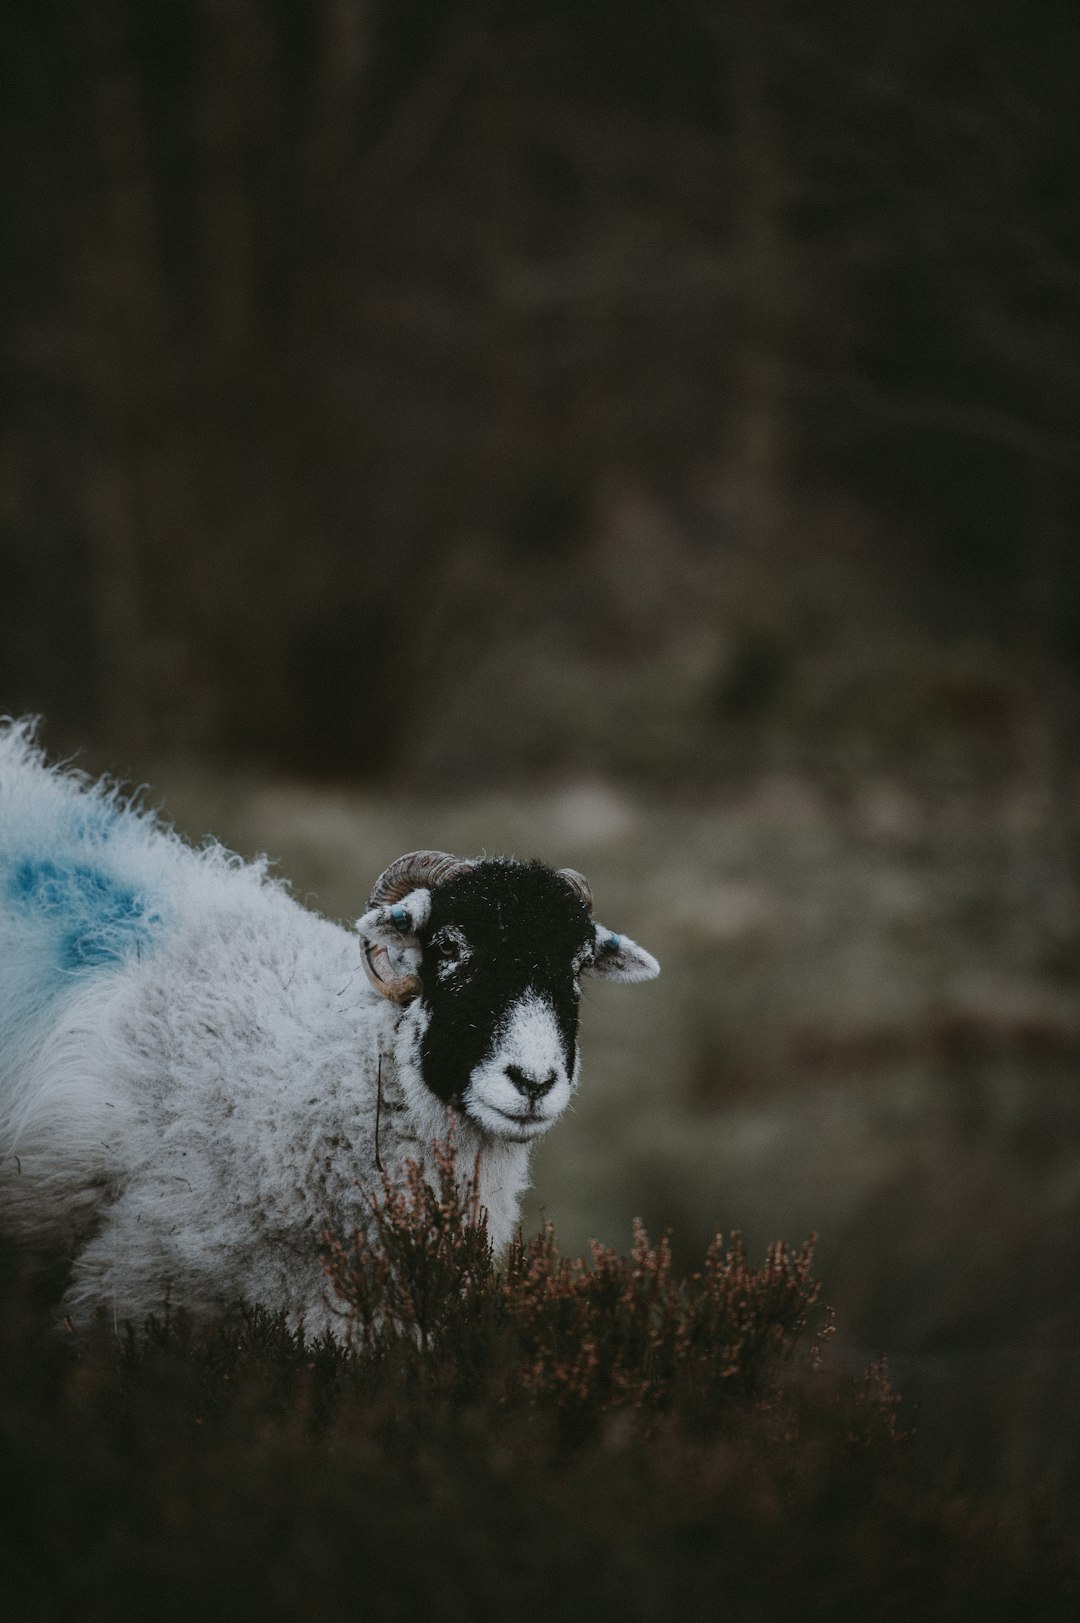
<point x="415" y="868"/>
<point x="578" y="884"/>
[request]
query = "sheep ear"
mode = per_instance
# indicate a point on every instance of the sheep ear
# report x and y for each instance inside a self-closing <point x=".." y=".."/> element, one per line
<point x="619" y="959"/>
<point x="396" y="924"/>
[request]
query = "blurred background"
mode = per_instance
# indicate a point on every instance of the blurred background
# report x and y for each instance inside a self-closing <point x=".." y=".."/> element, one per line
<point x="642" y="435"/>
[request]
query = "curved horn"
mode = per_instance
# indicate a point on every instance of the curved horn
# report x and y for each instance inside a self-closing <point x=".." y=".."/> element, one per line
<point x="398" y="988"/>
<point x="578" y="884"/>
<point x="415" y="868"/>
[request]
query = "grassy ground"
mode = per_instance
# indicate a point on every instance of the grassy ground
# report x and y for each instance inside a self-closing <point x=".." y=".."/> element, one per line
<point x="546" y="1440"/>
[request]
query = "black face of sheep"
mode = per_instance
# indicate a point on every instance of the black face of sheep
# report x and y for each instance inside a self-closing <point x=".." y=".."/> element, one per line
<point x="489" y="955"/>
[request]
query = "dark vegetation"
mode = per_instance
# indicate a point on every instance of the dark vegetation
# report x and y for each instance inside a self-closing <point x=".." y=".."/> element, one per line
<point x="543" y="1440"/>
<point x="597" y="385"/>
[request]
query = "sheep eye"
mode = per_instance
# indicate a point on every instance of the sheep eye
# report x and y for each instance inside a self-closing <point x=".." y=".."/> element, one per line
<point x="448" y="948"/>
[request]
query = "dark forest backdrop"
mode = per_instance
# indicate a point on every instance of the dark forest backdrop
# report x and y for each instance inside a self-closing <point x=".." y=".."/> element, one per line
<point x="446" y="390"/>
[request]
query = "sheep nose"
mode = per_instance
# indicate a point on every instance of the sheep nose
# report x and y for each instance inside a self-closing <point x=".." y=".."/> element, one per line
<point x="533" y="1087"/>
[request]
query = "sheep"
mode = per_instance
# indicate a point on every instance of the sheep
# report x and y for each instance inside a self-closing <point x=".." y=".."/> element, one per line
<point x="198" y="1075"/>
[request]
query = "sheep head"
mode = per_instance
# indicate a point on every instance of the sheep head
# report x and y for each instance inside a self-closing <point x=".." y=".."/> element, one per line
<point x="485" y="956"/>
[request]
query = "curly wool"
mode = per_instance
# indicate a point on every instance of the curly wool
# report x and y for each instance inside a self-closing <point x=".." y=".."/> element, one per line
<point x="191" y="1063"/>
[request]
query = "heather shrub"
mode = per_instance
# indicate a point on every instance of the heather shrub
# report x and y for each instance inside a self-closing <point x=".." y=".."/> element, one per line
<point x="419" y="1289"/>
<point x="546" y="1437"/>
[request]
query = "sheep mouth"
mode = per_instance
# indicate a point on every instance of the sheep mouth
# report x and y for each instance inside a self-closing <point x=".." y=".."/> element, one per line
<point x="518" y="1128"/>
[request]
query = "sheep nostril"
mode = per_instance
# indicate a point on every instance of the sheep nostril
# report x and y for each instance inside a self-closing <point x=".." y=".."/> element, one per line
<point x="533" y="1087"/>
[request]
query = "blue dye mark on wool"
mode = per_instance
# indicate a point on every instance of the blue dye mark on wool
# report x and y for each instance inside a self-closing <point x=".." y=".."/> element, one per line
<point x="97" y="919"/>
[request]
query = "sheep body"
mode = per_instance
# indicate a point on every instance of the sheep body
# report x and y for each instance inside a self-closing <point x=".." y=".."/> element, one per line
<point x="191" y="1063"/>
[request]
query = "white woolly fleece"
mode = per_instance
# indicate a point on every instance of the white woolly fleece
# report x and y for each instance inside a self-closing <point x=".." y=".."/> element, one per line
<point x="188" y="1063"/>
